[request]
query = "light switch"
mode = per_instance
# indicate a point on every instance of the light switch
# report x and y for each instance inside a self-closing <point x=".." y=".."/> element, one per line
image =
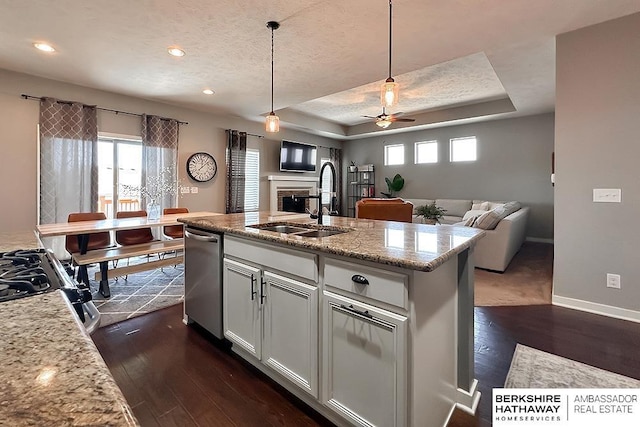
<point x="194" y="190"/>
<point x="607" y="195"/>
<point x="184" y="190"/>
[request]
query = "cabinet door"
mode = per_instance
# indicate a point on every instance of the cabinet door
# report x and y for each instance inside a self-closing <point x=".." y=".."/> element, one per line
<point x="241" y="305"/>
<point x="290" y="322"/>
<point x="364" y="362"/>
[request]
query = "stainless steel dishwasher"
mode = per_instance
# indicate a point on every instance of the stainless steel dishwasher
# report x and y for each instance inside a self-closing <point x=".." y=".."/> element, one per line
<point x="203" y="279"/>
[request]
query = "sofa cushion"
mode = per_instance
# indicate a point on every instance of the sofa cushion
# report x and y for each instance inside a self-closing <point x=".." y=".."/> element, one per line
<point x="490" y="219"/>
<point x="479" y="206"/>
<point x="454" y="207"/>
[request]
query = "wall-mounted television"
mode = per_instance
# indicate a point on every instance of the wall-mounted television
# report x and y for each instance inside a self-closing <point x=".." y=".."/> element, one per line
<point x="297" y="156"/>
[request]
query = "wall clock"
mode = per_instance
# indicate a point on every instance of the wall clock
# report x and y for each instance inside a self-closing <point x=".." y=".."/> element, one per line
<point x="201" y="167"/>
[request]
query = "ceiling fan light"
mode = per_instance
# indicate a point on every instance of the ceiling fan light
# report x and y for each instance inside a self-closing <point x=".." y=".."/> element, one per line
<point x="389" y="93"/>
<point x="272" y="123"/>
<point x="384" y="123"/>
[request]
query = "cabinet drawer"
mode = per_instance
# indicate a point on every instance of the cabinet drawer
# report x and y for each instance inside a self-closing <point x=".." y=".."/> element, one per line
<point x="385" y="286"/>
<point x="296" y="262"/>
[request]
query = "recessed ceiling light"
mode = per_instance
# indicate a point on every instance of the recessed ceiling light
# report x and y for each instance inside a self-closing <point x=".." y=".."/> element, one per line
<point x="175" y="51"/>
<point x="207" y="92"/>
<point x="44" y="47"/>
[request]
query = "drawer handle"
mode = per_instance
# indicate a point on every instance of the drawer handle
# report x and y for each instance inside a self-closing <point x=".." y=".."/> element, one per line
<point x="360" y="279"/>
<point x="356" y="311"/>
<point x="253" y="293"/>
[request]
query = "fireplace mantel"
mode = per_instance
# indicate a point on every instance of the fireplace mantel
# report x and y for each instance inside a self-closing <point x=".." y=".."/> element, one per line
<point x="291" y="182"/>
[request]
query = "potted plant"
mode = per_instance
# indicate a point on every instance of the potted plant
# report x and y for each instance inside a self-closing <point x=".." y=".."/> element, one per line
<point x="353" y="167"/>
<point x="393" y="185"/>
<point x="430" y="213"/>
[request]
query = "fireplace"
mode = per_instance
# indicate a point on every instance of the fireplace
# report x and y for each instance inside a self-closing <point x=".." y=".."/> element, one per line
<point x="283" y="186"/>
<point x="288" y="201"/>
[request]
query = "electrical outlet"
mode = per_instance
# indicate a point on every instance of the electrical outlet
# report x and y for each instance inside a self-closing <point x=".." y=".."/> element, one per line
<point x="607" y="195"/>
<point x="613" y="281"/>
<point x="194" y="190"/>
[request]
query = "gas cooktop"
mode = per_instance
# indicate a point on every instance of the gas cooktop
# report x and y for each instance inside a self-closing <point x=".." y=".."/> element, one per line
<point x="25" y="273"/>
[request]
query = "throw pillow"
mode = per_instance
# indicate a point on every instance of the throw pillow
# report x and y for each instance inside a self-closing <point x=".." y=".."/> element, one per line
<point x="473" y="213"/>
<point x="470" y="221"/>
<point x="490" y="219"/>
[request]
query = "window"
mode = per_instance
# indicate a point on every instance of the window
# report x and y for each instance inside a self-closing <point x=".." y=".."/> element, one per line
<point x="463" y="149"/>
<point x="426" y="152"/>
<point x="119" y="163"/>
<point x="394" y="154"/>
<point x="252" y="181"/>
<point x="326" y="183"/>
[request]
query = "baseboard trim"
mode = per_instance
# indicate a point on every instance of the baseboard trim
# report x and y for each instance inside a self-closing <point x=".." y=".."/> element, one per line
<point x="593" y="307"/>
<point x="468" y="400"/>
<point x="538" y="240"/>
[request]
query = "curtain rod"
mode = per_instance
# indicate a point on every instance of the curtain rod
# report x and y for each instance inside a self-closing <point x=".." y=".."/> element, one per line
<point x="250" y="134"/>
<point x="100" y="108"/>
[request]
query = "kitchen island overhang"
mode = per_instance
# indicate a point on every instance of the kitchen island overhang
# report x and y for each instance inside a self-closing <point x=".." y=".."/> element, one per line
<point x="433" y="293"/>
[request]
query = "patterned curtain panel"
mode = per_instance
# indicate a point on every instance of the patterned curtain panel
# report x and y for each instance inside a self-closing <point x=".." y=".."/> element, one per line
<point x="159" y="160"/>
<point x="236" y="162"/>
<point x="335" y="155"/>
<point x="68" y="159"/>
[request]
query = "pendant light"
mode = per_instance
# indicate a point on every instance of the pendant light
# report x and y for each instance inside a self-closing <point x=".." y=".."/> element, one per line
<point x="389" y="89"/>
<point x="273" y="122"/>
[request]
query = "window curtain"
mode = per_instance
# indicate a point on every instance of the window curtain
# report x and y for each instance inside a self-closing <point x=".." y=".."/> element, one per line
<point x="68" y="159"/>
<point x="335" y="156"/>
<point x="236" y="164"/>
<point x="159" y="160"/>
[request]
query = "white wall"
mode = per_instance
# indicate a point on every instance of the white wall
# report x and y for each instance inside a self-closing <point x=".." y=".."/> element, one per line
<point x="597" y="146"/>
<point x="205" y="132"/>
<point x="514" y="163"/>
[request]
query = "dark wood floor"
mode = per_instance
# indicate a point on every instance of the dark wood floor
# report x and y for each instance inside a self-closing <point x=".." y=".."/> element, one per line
<point x="174" y="375"/>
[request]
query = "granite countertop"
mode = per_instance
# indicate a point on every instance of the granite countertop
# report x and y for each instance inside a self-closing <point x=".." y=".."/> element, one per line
<point x="413" y="246"/>
<point x="11" y="240"/>
<point x="52" y="374"/>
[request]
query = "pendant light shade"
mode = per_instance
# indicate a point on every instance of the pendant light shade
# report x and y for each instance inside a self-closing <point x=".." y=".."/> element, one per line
<point x="389" y="89"/>
<point x="272" y="123"/>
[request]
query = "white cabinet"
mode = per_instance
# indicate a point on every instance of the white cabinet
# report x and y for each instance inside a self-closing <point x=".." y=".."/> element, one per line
<point x="241" y="306"/>
<point x="275" y="319"/>
<point x="364" y="362"/>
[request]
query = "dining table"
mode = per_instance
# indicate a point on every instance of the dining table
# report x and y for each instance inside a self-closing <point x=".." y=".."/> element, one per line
<point x="83" y="229"/>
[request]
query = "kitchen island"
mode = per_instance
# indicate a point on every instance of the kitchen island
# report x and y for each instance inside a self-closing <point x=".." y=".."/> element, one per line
<point x="52" y="373"/>
<point x="369" y="322"/>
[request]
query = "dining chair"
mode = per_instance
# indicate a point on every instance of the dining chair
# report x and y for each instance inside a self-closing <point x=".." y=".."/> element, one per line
<point x="174" y="231"/>
<point x="99" y="240"/>
<point x="136" y="235"/>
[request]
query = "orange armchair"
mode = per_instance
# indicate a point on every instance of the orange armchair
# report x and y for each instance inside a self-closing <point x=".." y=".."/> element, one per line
<point x="135" y="236"/>
<point x="96" y="240"/>
<point x="394" y="209"/>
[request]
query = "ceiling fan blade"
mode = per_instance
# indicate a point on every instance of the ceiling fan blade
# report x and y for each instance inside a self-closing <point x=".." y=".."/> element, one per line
<point x="396" y="114"/>
<point x="396" y="119"/>
<point x="371" y="117"/>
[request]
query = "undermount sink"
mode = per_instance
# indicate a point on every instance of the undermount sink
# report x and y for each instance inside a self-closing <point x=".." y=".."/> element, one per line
<point x="280" y="228"/>
<point x="299" y="229"/>
<point x="320" y="233"/>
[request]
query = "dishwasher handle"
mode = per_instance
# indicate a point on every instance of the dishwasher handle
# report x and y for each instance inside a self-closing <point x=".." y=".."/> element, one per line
<point x="201" y="237"/>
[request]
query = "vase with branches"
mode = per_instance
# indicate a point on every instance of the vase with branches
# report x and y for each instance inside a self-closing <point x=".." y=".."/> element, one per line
<point x="156" y="187"/>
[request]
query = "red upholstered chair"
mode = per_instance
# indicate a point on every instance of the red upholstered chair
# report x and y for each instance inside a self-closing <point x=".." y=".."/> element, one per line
<point x="174" y="231"/>
<point x="135" y="236"/>
<point x="99" y="240"/>
<point x="394" y="209"/>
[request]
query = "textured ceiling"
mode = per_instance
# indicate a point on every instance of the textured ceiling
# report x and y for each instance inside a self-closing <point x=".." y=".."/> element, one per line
<point x="472" y="58"/>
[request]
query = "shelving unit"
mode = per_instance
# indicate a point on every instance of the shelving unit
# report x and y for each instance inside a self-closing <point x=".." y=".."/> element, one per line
<point x="361" y="185"/>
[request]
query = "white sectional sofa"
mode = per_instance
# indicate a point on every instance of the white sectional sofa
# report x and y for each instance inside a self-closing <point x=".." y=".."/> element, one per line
<point x="500" y="244"/>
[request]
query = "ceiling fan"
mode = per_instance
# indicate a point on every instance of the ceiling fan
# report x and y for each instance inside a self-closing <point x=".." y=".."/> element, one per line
<point x="384" y="120"/>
